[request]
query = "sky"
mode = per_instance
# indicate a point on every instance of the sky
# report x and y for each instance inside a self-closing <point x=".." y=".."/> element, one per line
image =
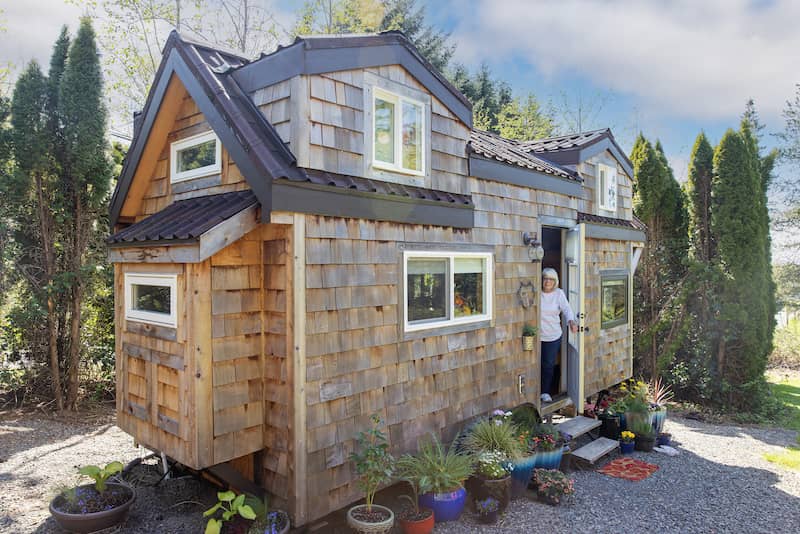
<point x="669" y="69"/>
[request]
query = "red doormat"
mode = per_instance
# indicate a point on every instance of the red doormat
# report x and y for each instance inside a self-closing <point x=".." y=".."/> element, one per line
<point x="629" y="469"/>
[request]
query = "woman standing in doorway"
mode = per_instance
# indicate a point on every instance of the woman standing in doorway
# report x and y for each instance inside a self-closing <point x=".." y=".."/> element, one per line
<point x="553" y="304"/>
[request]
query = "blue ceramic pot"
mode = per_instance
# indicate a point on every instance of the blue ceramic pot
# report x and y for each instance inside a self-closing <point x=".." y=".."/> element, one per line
<point x="663" y="439"/>
<point x="446" y="506"/>
<point x="626" y="448"/>
<point x="622" y="422"/>
<point x="549" y="459"/>
<point x="522" y="473"/>
<point x="657" y="419"/>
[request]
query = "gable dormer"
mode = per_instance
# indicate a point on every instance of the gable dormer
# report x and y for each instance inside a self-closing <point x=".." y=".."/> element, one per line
<point x="606" y="171"/>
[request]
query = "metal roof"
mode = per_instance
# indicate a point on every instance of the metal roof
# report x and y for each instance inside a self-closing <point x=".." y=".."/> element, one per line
<point x="612" y="221"/>
<point x="365" y="185"/>
<point x="564" y="142"/>
<point x="498" y="148"/>
<point x="185" y="220"/>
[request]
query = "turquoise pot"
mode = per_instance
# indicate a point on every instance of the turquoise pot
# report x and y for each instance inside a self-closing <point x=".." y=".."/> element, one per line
<point x="549" y="459"/>
<point x="657" y="419"/>
<point x="522" y="473"/>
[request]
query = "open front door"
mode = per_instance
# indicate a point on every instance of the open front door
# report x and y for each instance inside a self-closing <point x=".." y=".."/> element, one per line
<point x="575" y="263"/>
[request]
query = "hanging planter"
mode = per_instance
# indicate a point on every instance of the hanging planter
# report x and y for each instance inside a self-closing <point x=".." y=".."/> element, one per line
<point x="528" y="337"/>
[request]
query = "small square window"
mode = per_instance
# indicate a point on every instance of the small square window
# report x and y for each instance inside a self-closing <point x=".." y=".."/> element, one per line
<point x="446" y="288"/>
<point x="151" y="298"/>
<point x="196" y="156"/>
<point x="614" y="300"/>
<point x="398" y="133"/>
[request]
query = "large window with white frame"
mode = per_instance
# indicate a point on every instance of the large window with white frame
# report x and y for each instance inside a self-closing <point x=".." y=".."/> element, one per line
<point x="607" y="187"/>
<point x="398" y="133"/>
<point x="194" y="157"/>
<point x="151" y="298"/>
<point x="446" y="288"/>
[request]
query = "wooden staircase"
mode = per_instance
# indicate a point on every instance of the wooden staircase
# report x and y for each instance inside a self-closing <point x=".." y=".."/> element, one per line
<point x="593" y="451"/>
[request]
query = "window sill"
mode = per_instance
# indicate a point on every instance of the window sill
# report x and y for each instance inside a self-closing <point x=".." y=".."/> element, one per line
<point x="446" y="330"/>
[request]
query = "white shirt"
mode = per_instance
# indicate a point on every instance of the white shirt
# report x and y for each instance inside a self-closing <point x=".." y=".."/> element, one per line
<point x="552" y="305"/>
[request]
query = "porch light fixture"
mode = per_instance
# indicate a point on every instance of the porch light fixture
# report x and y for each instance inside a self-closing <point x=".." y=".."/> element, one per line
<point x="535" y="249"/>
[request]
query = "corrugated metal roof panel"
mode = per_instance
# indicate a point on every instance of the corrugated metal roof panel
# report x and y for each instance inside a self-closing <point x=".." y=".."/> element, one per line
<point x="185" y="220"/>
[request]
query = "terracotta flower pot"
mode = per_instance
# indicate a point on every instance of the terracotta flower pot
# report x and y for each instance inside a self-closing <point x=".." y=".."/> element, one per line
<point x="94" y="521"/>
<point x="370" y="527"/>
<point x="418" y="526"/>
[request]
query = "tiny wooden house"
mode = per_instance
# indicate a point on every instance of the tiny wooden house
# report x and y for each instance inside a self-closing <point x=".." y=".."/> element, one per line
<point x="319" y="235"/>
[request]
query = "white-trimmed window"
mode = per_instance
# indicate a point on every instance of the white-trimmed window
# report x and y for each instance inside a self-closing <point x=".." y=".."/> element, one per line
<point x="151" y="298"/>
<point x="398" y="142"/>
<point x="195" y="156"/>
<point x="446" y="288"/>
<point x="607" y="187"/>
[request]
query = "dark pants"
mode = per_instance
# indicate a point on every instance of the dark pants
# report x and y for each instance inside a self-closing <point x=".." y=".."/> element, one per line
<point x="549" y="353"/>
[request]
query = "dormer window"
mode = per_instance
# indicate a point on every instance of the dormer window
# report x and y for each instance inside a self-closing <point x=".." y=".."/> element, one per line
<point x="607" y="188"/>
<point x="196" y="156"/>
<point x="399" y="133"/>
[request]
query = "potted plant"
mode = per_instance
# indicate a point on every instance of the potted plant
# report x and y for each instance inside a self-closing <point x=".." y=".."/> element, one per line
<point x="552" y="485"/>
<point x="548" y="445"/>
<point x="663" y="438"/>
<point x="267" y="521"/>
<point x="445" y="471"/>
<point x="495" y="434"/>
<point x="637" y="405"/>
<point x="528" y="336"/>
<point x="660" y="394"/>
<point x="626" y="441"/>
<point x="232" y="506"/>
<point x="619" y="407"/>
<point x="492" y="478"/>
<point x="527" y="419"/>
<point x="487" y="510"/>
<point x="413" y="519"/>
<point x="645" y="437"/>
<point x="374" y="465"/>
<point x="92" y="507"/>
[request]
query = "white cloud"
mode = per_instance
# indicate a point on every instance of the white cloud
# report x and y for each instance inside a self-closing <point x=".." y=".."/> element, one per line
<point x="32" y="28"/>
<point x="681" y="58"/>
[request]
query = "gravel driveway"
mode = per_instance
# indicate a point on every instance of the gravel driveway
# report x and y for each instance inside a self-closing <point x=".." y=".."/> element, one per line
<point x="719" y="483"/>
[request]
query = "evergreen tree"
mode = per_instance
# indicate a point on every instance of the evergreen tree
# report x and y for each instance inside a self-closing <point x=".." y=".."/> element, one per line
<point x="33" y="189"/>
<point x="658" y="203"/>
<point x="526" y="120"/>
<point x="698" y="190"/>
<point x="737" y="226"/>
<point x="86" y="172"/>
<point x="404" y="15"/>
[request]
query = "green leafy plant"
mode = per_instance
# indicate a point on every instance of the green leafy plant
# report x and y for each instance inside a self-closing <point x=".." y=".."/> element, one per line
<point x="374" y="464"/>
<point x="643" y="429"/>
<point x="495" y="434"/>
<point x="434" y="468"/>
<point x="526" y="416"/>
<point x="100" y="476"/>
<point x="231" y="505"/>
<point x="529" y="330"/>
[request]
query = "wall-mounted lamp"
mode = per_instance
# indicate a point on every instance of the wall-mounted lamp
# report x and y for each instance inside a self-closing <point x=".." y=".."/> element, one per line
<point x="535" y="248"/>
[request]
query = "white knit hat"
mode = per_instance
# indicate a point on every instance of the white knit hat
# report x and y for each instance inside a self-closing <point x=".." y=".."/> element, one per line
<point x="550" y="273"/>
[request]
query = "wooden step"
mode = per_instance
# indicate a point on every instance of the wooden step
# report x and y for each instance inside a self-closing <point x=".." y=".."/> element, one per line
<point x="578" y="426"/>
<point x="596" y="449"/>
<point x="558" y="403"/>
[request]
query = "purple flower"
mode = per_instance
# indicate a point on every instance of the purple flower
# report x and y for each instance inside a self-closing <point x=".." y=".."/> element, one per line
<point x="498" y="412"/>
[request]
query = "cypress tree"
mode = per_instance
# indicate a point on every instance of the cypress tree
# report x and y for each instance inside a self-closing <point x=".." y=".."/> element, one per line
<point x="86" y="171"/>
<point x="33" y="183"/>
<point x="659" y="204"/>
<point x="736" y="226"/>
<point x="698" y="190"/>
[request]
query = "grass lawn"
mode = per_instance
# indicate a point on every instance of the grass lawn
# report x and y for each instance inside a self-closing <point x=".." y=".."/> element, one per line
<point x="787" y="389"/>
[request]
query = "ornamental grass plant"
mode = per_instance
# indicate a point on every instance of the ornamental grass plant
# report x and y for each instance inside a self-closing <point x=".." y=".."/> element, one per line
<point x="495" y="434"/>
<point x="435" y="468"/>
